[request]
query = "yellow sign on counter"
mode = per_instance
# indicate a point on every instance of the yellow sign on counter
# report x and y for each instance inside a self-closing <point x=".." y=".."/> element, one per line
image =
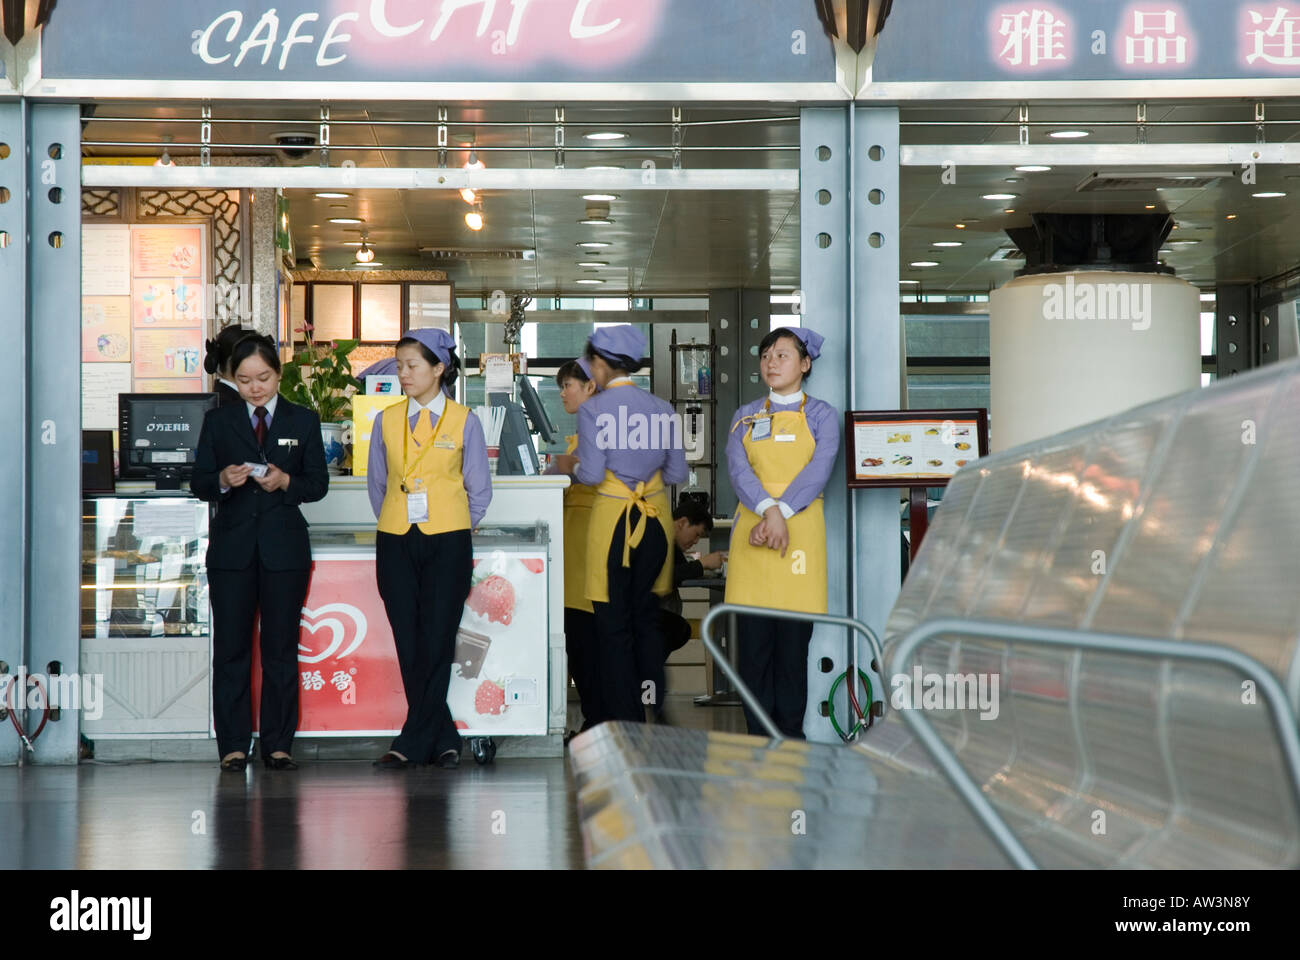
<point x="365" y="409"/>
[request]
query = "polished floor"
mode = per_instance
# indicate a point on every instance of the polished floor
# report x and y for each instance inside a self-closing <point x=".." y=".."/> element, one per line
<point x="514" y="813"/>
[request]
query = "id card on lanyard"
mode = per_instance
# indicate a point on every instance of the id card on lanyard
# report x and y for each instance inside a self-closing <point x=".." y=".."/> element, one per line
<point x="417" y="503"/>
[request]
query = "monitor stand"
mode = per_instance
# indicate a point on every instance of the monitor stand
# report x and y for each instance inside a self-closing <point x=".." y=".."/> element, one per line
<point x="168" y="480"/>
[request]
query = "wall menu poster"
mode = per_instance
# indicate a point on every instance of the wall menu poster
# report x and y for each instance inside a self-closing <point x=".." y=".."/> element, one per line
<point x="166" y="251"/>
<point x="167" y="303"/>
<point x="105" y="260"/>
<point x="100" y="385"/>
<point x="105" y="329"/>
<point x="893" y="448"/>
<point x="168" y="353"/>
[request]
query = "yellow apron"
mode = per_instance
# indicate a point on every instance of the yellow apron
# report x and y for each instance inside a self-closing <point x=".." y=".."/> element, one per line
<point x="613" y="503"/>
<point x="577" y="519"/>
<point x="760" y="576"/>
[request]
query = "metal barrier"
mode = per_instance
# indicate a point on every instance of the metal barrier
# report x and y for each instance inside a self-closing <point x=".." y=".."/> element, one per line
<point x="1284" y="720"/>
<point x="728" y="609"/>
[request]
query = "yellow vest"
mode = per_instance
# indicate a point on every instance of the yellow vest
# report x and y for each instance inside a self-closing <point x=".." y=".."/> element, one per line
<point x="439" y="472"/>
<point x="577" y="520"/>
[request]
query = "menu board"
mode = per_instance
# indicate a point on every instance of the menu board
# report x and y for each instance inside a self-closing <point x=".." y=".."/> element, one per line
<point x="105" y="329"/>
<point x="166" y="251"/>
<point x="100" y="385"/>
<point x="168" y="353"/>
<point x="912" y="447"/>
<point x="167" y="303"/>
<point x="105" y="260"/>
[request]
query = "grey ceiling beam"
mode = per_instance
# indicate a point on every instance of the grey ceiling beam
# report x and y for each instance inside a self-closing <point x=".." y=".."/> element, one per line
<point x="1100" y="154"/>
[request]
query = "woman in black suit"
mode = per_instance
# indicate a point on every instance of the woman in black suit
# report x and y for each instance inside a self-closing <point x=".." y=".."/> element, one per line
<point x="216" y="361"/>
<point x="259" y="556"/>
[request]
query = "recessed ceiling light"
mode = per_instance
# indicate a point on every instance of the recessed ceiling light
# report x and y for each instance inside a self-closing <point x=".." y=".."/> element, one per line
<point x="588" y="280"/>
<point x="909" y="281"/>
<point x="1268" y="194"/>
<point x="1013" y="180"/>
<point x="1008" y="210"/>
<point x="960" y="226"/>
<point x="330" y="195"/>
<point x="1000" y="196"/>
<point x="593" y="263"/>
<point x="1151" y="206"/>
<point x="593" y="244"/>
<point x="604" y="167"/>
<point x="1069" y="134"/>
<point x="947" y="243"/>
<point x="345" y="220"/>
<point x="597" y="222"/>
<point x="605" y="135"/>
<point x="600" y="197"/>
<point x="1231" y="216"/>
<point x="925" y="263"/>
<point x="1033" y="168"/>
<point x="1182" y="243"/>
<point x="474" y="220"/>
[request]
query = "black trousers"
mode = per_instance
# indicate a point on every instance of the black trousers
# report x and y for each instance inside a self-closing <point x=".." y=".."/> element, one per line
<point x="423" y="581"/>
<point x="580" y="645"/>
<point x="631" y="650"/>
<point x="774" y="665"/>
<point x="676" y="631"/>
<point x="237" y="596"/>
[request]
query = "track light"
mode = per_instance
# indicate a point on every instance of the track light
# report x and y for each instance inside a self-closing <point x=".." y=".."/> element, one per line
<point x="474" y="219"/>
<point x="365" y="253"/>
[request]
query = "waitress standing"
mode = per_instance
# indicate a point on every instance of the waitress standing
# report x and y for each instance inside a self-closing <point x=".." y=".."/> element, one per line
<point x="780" y="452"/>
<point x="216" y="361"/>
<point x="256" y="461"/>
<point x="576" y="388"/>
<point x="629" y="448"/>
<point x="429" y="487"/>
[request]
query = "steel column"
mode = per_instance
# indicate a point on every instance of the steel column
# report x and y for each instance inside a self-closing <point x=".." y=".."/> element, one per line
<point x="13" y="373"/>
<point x="54" y="413"/>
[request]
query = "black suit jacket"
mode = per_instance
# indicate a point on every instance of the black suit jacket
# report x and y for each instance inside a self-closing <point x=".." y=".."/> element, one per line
<point x="248" y="518"/>
<point x="226" y="397"/>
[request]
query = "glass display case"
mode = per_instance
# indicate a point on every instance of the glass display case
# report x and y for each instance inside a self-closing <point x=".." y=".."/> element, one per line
<point x="145" y="614"/>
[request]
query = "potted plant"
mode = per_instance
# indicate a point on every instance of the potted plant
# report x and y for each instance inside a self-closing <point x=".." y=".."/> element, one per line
<point x="318" y="377"/>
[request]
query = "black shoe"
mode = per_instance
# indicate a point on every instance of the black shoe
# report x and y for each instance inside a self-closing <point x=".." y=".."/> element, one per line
<point x="235" y="764"/>
<point x="279" y="763"/>
<point x="448" y="759"/>
<point x="391" y="761"/>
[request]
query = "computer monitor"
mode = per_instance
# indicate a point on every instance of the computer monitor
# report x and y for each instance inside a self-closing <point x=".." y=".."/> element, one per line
<point x="158" y="435"/>
<point x="536" y="411"/>
<point x="96" y="461"/>
<point x="517" y="455"/>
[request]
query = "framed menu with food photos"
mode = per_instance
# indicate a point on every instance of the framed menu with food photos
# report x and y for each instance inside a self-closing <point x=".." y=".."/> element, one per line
<point x="905" y="448"/>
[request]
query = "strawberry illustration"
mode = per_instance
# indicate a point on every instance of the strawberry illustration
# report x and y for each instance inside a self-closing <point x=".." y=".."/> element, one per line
<point x="494" y="598"/>
<point x="535" y="564"/>
<point x="490" y="698"/>
<point x="462" y="725"/>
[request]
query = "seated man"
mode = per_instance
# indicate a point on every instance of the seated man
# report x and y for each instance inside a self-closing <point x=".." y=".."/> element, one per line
<point x="691" y="520"/>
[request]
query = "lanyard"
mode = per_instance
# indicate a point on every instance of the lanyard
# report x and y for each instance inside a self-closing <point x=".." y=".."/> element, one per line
<point x="409" y="471"/>
<point x="767" y="411"/>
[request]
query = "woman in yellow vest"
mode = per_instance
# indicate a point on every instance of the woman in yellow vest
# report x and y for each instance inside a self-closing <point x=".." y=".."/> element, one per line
<point x="629" y="448"/>
<point x="780" y="452"/>
<point x="429" y="486"/>
<point x="576" y="388"/>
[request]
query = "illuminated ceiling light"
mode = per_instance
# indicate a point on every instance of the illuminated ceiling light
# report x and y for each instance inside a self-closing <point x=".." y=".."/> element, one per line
<point x="1151" y="206"/>
<point x="1268" y="195"/>
<point x="909" y="281"/>
<point x="474" y="219"/>
<point x="345" y="220"/>
<point x="960" y="226"/>
<point x="1069" y="134"/>
<point x="331" y="195"/>
<point x="365" y="253"/>
<point x="600" y="197"/>
<point x="593" y="244"/>
<point x="947" y="243"/>
<point x="589" y="281"/>
<point x="1000" y="196"/>
<point x="1231" y="216"/>
<point x="1009" y="210"/>
<point x="604" y="167"/>
<point x="468" y="195"/>
<point x="1033" y="168"/>
<point x="605" y="135"/>
<point x="474" y="163"/>
<point x="597" y="222"/>
<point x="593" y="263"/>
<point x="925" y="263"/>
<point x="165" y="160"/>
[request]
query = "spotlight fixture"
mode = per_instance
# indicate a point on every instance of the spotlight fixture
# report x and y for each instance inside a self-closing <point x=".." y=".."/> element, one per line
<point x="365" y="253"/>
<point x="474" y="219"/>
<point x="468" y="194"/>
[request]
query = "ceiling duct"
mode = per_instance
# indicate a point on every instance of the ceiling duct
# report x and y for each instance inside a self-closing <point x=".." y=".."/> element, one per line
<point x="1059" y="242"/>
<point x="464" y="253"/>
<point x="1146" y="181"/>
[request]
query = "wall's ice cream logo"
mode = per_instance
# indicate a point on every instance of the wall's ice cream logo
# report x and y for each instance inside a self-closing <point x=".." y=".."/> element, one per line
<point x="345" y="625"/>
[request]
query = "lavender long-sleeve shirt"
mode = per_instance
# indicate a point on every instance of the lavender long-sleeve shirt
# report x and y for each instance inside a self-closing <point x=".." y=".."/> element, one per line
<point x="823" y="422"/>
<point x="632" y="434"/>
<point x="478" y="479"/>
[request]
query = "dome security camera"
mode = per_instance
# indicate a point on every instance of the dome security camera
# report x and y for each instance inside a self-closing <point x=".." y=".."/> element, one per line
<point x="295" y="144"/>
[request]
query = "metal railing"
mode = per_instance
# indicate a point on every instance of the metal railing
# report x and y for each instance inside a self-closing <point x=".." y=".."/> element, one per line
<point x="728" y="609"/>
<point x="1284" y="720"/>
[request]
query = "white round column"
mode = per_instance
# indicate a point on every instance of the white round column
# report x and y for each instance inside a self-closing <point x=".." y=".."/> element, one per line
<point x="1066" y="349"/>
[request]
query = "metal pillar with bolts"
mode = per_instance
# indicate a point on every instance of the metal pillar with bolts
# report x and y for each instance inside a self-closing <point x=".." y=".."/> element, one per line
<point x="53" y="423"/>
<point x="13" y="429"/>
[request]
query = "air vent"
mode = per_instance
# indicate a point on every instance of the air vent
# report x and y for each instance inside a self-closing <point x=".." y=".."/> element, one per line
<point x="1007" y="253"/>
<point x="1149" y="180"/>
<point x="464" y="253"/>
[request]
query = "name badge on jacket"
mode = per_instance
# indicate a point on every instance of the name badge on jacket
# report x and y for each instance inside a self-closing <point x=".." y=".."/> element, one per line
<point x="784" y="438"/>
<point x="288" y="442"/>
<point x="762" y="429"/>
<point x="417" y="507"/>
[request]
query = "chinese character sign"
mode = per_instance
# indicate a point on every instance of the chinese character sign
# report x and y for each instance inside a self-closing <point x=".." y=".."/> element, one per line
<point x="1155" y="36"/>
<point x="1270" y="36"/>
<point x="1031" y="37"/>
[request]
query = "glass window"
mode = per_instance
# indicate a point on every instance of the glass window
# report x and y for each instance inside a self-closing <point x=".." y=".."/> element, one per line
<point x="947" y="392"/>
<point x="430" y="306"/>
<point x="331" y="311"/>
<point x="953" y="336"/>
<point x="297" y="309"/>
<point x="381" y="312"/>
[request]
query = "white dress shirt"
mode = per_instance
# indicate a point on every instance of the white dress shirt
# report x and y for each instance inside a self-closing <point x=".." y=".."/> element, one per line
<point x="777" y="400"/>
<point x="434" y="406"/>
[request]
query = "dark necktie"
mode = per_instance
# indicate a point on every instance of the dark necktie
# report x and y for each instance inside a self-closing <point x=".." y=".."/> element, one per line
<point x="260" y="429"/>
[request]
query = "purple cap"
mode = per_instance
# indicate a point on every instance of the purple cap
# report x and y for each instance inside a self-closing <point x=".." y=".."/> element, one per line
<point x="584" y="365"/>
<point x="439" y="341"/>
<point x="624" y="340"/>
<point x="384" y="368"/>
<point x="812" y="340"/>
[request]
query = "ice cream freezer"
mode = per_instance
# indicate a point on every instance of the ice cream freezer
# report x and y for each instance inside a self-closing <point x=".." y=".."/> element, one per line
<point x="349" y="681"/>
